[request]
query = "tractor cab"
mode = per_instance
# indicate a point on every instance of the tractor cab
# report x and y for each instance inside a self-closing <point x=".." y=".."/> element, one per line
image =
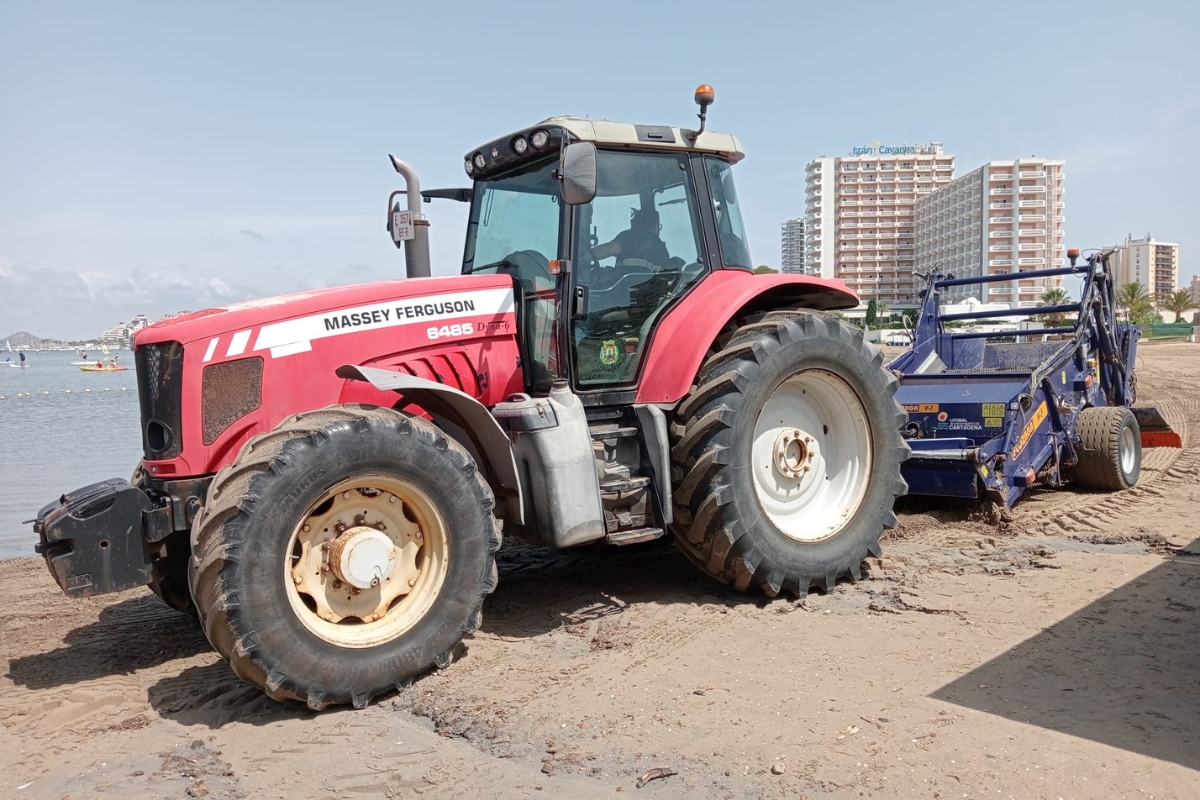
<point x="603" y="226"/>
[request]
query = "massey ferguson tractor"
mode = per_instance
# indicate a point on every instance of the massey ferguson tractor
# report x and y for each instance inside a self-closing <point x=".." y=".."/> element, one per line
<point x="328" y="474"/>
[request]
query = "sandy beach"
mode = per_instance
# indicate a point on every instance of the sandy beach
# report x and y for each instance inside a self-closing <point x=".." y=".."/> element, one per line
<point x="1056" y="655"/>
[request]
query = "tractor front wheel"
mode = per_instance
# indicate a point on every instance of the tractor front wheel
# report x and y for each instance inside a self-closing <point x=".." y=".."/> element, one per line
<point x="787" y="455"/>
<point x="343" y="554"/>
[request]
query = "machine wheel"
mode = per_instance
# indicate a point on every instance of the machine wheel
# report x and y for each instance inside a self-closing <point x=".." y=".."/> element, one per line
<point x="343" y="554"/>
<point x="169" y="576"/>
<point x="1110" y="448"/>
<point x="787" y="455"/>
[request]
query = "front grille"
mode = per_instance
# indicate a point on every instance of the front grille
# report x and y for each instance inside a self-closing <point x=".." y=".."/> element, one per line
<point x="230" y="390"/>
<point x="160" y="391"/>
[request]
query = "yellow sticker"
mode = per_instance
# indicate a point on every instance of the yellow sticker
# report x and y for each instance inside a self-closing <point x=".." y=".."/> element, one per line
<point x="922" y="408"/>
<point x="983" y="470"/>
<point x="993" y="422"/>
<point x="1064" y="379"/>
<point x="1038" y="416"/>
<point x="993" y="409"/>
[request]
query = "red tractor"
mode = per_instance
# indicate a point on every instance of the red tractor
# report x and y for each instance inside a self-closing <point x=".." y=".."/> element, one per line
<point x="327" y="474"/>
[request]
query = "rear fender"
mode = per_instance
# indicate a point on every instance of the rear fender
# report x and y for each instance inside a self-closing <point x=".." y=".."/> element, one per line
<point x="683" y="337"/>
<point x="462" y="417"/>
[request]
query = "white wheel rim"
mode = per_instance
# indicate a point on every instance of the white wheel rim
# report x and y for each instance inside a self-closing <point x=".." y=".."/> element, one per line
<point x="811" y="455"/>
<point x="335" y="587"/>
<point x="1127" y="450"/>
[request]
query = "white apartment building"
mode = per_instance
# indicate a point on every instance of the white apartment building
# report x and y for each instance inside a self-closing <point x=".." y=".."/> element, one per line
<point x="792" y="247"/>
<point x="1006" y="216"/>
<point x="1153" y="264"/>
<point x="859" y="216"/>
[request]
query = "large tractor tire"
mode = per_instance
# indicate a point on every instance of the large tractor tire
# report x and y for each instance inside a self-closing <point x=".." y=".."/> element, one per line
<point x="787" y="456"/>
<point x="169" y="576"/>
<point x="1110" y="451"/>
<point x="343" y="554"/>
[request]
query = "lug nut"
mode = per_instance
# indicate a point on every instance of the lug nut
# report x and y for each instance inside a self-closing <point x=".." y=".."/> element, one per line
<point x="337" y="584"/>
<point x="412" y="582"/>
<point x="306" y="528"/>
<point x="391" y="498"/>
<point x="345" y="495"/>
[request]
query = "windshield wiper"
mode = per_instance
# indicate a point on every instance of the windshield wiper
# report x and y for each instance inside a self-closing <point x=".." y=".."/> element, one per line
<point x="504" y="262"/>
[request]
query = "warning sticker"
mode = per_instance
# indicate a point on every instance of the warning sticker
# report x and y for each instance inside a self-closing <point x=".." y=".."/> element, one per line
<point x="993" y="409"/>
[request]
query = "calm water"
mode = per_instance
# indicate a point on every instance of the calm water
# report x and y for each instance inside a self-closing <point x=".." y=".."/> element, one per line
<point x="73" y="429"/>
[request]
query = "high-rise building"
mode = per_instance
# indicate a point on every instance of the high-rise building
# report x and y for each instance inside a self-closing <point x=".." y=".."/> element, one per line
<point x="1195" y="288"/>
<point x="1005" y="216"/>
<point x="859" y="221"/>
<point x="792" y="249"/>
<point x="1153" y="264"/>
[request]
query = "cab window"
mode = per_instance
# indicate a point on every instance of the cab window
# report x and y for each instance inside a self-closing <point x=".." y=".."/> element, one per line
<point x="638" y="249"/>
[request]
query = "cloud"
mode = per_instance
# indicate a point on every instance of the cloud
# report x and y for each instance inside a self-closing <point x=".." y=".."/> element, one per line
<point x="66" y="304"/>
<point x="252" y="234"/>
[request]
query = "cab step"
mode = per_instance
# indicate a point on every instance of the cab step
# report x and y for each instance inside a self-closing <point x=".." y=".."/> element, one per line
<point x="635" y="536"/>
<point x="603" y="432"/>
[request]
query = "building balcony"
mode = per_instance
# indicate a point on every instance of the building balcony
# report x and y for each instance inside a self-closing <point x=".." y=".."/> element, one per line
<point x="1000" y="176"/>
<point x="849" y="191"/>
<point x="1060" y="205"/>
<point x="1033" y="173"/>
<point x="1032" y="189"/>
<point x="1000" y="234"/>
<point x="1000" y="220"/>
<point x="1005" y="292"/>
<point x="904" y="246"/>
<point x="1032" y="203"/>
<point x="1032" y="218"/>
<point x="1000" y="262"/>
<point x="1031" y="232"/>
<point x="849" y="202"/>
<point x="1000" y="248"/>
<point x="1000" y="190"/>
<point x="1058" y="262"/>
<point x="1003" y="205"/>
<point x="1031" y="262"/>
<point x="1031" y="246"/>
<point x="943" y="179"/>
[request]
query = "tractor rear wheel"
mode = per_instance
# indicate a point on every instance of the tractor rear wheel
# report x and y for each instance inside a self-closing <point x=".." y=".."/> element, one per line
<point x="1110" y="449"/>
<point x="343" y="554"/>
<point x="787" y="455"/>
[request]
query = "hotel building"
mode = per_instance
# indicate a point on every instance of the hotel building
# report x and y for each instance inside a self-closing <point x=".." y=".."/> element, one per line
<point x="859" y="216"/>
<point x="1005" y="216"/>
<point x="792" y="247"/>
<point x="1153" y="264"/>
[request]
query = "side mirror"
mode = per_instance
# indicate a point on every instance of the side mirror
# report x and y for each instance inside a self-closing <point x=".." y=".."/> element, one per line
<point x="577" y="171"/>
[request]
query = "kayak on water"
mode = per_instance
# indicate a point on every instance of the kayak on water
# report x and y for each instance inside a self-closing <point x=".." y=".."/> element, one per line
<point x="103" y="369"/>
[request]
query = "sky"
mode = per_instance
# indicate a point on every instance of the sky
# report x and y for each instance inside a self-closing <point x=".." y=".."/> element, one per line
<point x="164" y="156"/>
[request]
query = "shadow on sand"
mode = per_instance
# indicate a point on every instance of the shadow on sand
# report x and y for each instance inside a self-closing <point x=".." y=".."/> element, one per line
<point x="1123" y="671"/>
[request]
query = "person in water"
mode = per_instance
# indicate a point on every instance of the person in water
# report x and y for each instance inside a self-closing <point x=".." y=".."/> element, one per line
<point x="21" y="353"/>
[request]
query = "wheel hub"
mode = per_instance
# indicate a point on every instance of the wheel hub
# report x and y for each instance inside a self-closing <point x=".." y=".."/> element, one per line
<point x="356" y="556"/>
<point x="794" y="453"/>
<point x="362" y="557"/>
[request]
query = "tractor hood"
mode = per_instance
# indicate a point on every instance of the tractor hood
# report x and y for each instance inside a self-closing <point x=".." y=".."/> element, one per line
<point x="294" y="320"/>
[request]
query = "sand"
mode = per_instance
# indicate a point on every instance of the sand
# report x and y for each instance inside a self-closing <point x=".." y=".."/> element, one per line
<point x="1056" y="656"/>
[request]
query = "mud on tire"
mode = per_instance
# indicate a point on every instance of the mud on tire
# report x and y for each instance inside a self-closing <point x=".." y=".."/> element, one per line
<point x="245" y="542"/>
<point x="721" y="520"/>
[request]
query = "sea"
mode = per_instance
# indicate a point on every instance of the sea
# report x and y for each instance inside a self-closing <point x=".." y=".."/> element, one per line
<point x="60" y="429"/>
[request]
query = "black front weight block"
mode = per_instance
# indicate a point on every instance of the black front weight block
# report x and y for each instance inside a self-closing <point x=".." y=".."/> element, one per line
<point x="91" y="538"/>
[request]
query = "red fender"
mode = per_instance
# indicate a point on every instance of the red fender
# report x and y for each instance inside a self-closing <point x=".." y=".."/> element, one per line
<point x="683" y="336"/>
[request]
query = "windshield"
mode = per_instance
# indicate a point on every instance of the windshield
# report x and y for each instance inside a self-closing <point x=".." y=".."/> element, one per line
<point x="730" y="230"/>
<point x="515" y="218"/>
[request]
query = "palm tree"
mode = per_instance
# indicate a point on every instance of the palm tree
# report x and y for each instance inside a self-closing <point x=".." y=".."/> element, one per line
<point x="881" y="310"/>
<point x="1179" y="302"/>
<point x="1133" y="299"/>
<point x="1055" y="296"/>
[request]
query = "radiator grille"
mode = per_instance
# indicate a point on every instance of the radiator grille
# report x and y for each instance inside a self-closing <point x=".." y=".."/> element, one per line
<point x="160" y="392"/>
